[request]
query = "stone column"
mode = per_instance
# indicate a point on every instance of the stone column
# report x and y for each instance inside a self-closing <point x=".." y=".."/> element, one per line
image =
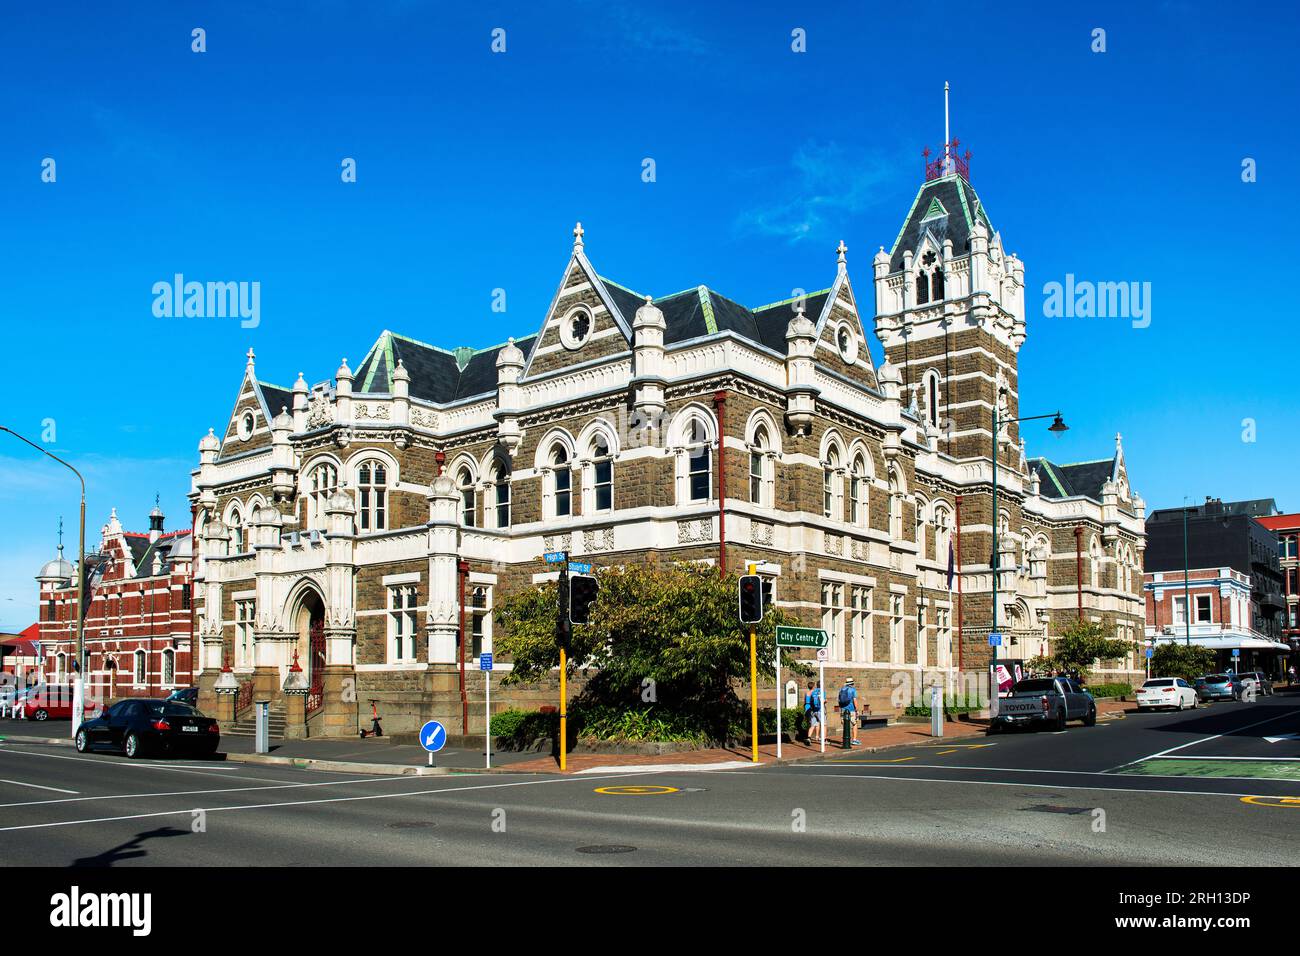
<point x="444" y="599"/>
<point x="339" y="679"/>
<point x="295" y="690"/>
<point x="211" y="650"/>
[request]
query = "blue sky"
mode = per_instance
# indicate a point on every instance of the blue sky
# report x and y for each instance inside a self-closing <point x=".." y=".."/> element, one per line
<point x="473" y="166"/>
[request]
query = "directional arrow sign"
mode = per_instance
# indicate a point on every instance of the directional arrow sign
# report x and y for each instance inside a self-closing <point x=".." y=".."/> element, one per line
<point x="801" y="637"/>
<point x="433" y="736"/>
<point x="1274" y="740"/>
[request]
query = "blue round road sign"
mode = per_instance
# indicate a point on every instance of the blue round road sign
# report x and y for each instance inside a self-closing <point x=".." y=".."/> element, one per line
<point x="433" y="736"/>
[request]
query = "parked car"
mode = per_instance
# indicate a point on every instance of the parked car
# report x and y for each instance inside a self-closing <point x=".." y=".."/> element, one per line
<point x="1045" y="700"/>
<point x="1263" y="685"/>
<point x="1217" y="687"/>
<point x="1172" y="692"/>
<point x="51" y="701"/>
<point x="186" y="695"/>
<point x="141" y="726"/>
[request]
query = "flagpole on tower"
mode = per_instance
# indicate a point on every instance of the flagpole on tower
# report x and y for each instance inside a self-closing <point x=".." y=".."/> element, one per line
<point x="947" y="160"/>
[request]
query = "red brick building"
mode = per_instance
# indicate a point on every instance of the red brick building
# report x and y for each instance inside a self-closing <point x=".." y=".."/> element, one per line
<point x="1287" y="528"/>
<point x="138" y="612"/>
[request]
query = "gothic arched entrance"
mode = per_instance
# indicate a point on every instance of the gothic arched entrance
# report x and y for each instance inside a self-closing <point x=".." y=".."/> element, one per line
<point x="310" y="646"/>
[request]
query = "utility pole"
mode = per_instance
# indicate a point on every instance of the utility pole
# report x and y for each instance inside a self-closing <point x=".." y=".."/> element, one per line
<point x="562" y="638"/>
<point x="1187" y="600"/>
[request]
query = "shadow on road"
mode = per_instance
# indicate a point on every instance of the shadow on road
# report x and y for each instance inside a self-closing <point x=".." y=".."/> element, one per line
<point x="1223" y="719"/>
<point x="132" y="849"/>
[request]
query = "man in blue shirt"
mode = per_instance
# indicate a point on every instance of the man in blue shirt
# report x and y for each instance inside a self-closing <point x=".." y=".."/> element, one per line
<point x="848" y="708"/>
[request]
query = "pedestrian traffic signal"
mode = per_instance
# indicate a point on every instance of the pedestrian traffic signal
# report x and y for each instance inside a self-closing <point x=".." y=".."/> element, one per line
<point x="751" y="599"/>
<point x="583" y="589"/>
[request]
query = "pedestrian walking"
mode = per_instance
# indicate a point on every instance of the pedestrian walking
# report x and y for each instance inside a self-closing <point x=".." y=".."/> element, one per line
<point x="812" y="706"/>
<point x="847" y="705"/>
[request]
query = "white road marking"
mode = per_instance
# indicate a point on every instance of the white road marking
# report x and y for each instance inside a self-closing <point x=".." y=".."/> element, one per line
<point x="187" y="793"/>
<point x="1041" y="786"/>
<point x="1073" y="773"/>
<point x="307" y="803"/>
<point x="19" y="783"/>
<point x="1235" y="730"/>
<point x="206" y="771"/>
<point x="669" y="767"/>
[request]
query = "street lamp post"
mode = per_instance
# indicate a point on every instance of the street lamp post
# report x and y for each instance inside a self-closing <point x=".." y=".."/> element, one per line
<point x="1057" y="428"/>
<point x="1187" y="600"/>
<point x="78" y="700"/>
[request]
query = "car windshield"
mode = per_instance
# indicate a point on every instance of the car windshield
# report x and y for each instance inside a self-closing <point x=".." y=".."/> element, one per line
<point x="1037" y="686"/>
<point x="171" y="708"/>
<point x="1159" y="683"/>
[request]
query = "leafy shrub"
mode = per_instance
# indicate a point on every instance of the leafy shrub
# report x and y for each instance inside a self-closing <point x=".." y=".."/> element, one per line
<point x="1109" y="690"/>
<point x="524" y="726"/>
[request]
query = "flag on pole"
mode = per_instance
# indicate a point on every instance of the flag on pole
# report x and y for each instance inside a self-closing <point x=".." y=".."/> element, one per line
<point x="951" y="564"/>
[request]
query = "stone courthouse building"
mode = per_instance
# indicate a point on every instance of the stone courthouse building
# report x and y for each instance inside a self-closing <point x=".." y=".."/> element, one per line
<point x="365" y="526"/>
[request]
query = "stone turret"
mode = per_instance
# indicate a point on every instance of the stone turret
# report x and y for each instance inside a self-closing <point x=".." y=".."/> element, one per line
<point x="801" y="398"/>
<point x="648" y="361"/>
<point x="510" y="367"/>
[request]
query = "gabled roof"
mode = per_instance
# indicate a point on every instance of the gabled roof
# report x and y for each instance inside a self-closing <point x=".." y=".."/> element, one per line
<point x="946" y="207"/>
<point x="1083" y="478"/>
<point x="275" y="398"/>
<point x="142" y="551"/>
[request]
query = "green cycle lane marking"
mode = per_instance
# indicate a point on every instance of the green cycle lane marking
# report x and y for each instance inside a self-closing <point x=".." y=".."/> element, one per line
<point x="1212" y="767"/>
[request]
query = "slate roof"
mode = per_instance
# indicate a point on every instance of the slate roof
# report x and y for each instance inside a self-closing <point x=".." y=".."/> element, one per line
<point x="277" y="398"/>
<point x="960" y="204"/>
<point x="1083" y="478"/>
<point x="441" y="376"/>
<point x="437" y="375"/>
<point x="143" y="551"/>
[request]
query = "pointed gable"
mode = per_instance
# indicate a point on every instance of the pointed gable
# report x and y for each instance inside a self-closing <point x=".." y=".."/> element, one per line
<point x="584" y="323"/>
<point x="946" y="208"/>
<point x="249" y="425"/>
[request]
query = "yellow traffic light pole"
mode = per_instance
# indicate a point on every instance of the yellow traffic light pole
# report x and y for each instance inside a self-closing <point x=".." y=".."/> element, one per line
<point x="753" y="683"/>
<point x="564" y="710"/>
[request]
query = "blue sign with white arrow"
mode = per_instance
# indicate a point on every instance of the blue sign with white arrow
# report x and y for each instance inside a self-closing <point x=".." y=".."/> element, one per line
<point x="433" y="736"/>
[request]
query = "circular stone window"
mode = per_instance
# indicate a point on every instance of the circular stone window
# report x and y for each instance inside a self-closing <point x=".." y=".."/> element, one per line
<point x="246" y="426"/>
<point x="848" y="344"/>
<point x="575" y="330"/>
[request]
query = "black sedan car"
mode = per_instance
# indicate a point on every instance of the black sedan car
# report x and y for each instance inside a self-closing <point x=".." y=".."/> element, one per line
<point x="138" y="727"/>
<point x="186" y="695"/>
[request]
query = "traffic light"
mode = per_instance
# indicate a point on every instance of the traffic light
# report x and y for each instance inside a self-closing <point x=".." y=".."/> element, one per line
<point x="751" y="599"/>
<point x="583" y="589"/>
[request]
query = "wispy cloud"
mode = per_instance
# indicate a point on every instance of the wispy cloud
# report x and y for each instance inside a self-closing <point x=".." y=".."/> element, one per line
<point x="822" y="182"/>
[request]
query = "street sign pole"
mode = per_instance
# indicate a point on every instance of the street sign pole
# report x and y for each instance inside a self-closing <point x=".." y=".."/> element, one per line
<point x="753" y="684"/>
<point x="778" y="703"/>
<point x="487" y="714"/>
<point x="821" y="685"/>
<point x="794" y="637"/>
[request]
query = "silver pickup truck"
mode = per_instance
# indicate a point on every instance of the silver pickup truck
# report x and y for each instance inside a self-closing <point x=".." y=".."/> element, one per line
<point x="1045" y="700"/>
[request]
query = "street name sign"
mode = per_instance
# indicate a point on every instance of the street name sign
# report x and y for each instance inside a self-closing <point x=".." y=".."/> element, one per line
<point x="578" y="567"/>
<point x="801" y="637"/>
<point x="556" y="557"/>
<point x="433" y="736"/>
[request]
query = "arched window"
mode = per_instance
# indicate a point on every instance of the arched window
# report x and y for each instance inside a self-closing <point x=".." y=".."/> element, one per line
<point x="932" y="398"/>
<point x="699" y="461"/>
<point x="602" y="474"/>
<point x="895" y="508"/>
<point x="372" y="481"/>
<point x="561" y="482"/>
<point x="918" y="530"/>
<point x="60" y="667"/>
<point x="936" y="285"/>
<point x="468" y="505"/>
<point x="858" y="492"/>
<point x="501" y="494"/>
<point x="323" y="482"/>
<point x="141" y="672"/>
<point x="830" y="482"/>
<point x="235" y="524"/>
<point x="757" y="453"/>
<point x="1094" y="563"/>
<point x="922" y="288"/>
<point x="168" y="666"/>
<point x="942" y="534"/>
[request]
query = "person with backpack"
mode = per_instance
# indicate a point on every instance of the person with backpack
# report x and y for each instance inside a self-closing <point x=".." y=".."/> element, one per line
<point x="812" y="707"/>
<point x="848" y="708"/>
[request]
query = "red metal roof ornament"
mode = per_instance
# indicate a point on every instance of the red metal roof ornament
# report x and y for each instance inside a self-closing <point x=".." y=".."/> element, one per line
<point x="294" y="668"/>
<point x="225" y="663"/>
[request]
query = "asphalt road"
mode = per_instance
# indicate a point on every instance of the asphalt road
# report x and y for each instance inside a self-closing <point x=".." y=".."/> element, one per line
<point x="1084" y="797"/>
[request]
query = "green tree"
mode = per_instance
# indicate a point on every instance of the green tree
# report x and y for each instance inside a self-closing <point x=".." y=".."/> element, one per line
<point x="1078" y="647"/>
<point x="664" y="642"/>
<point x="1175" y="659"/>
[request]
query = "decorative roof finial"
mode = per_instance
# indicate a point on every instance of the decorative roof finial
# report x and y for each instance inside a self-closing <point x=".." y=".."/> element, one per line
<point x="840" y="252"/>
<point x="250" y="358"/>
<point x="577" y="237"/>
<point x="60" y="535"/>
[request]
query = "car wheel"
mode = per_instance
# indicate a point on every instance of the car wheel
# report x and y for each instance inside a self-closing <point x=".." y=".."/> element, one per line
<point x="1061" y="720"/>
<point x="1180" y="702"/>
<point x="1091" y="719"/>
<point x="991" y="730"/>
<point x="132" y="746"/>
<point x="1196" y="702"/>
<point x="82" y="742"/>
<point x="40" y="715"/>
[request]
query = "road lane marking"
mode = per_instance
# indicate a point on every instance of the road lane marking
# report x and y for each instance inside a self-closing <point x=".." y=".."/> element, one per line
<point x="1291" y="802"/>
<point x="1008" y="783"/>
<point x="836" y="762"/>
<point x="136" y="766"/>
<point x="187" y="793"/>
<point x="19" y="783"/>
<point x="1203" y="740"/>
<point x="1073" y="773"/>
<point x="636" y="791"/>
<point x="302" y="803"/>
